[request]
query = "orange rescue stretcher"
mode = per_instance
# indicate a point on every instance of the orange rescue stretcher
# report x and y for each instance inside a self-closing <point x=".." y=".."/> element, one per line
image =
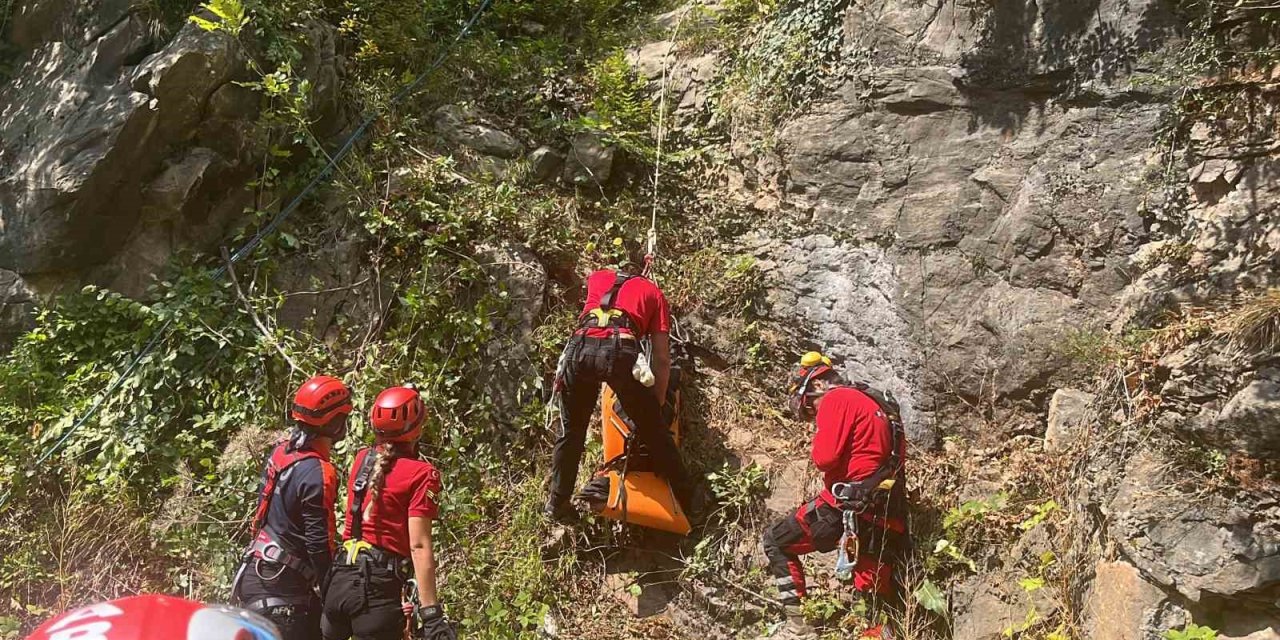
<point x="637" y="495"/>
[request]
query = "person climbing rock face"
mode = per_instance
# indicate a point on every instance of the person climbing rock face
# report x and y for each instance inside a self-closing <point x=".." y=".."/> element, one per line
<point x="294" y="529"/>
<point x="860" y="448"/>
<point x="156" y="617"/>
<point x="621" y="309"/>
<point x="391" y="503"/>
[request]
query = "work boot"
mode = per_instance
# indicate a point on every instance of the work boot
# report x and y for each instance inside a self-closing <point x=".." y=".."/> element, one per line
<point x="795" y="628"/>
<point x="560" y="512"/>
<point x="595" y="495"/>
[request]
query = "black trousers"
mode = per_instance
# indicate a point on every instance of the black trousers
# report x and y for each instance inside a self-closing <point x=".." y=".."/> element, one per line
<point x="299" y="619"/>
<point x="589" y="363"/>
<point x="363" y="602"/>
<point x="295" y="622"/>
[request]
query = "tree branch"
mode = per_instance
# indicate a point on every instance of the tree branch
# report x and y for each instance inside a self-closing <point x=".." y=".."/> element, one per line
<point x="248" y="307"/>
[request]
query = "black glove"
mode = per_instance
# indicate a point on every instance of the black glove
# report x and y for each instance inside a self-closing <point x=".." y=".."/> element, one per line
<point x="433" y="625"/>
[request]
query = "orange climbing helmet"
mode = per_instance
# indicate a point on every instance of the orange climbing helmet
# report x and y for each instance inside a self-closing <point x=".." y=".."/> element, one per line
<point x="319" y="400"/>
<point x="398" y="414"/>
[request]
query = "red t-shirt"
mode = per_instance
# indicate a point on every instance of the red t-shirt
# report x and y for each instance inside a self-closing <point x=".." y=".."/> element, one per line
<point x="639" y="297"/>
<point x="852" y="440"/>
<point x="409" y="491"/>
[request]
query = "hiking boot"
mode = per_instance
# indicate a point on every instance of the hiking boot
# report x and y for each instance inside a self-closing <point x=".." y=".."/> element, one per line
<point x="694" y="506"/>
<point x="595" y="495"/>
<point x="795" y="628"/>
<point x="560" y="512"/>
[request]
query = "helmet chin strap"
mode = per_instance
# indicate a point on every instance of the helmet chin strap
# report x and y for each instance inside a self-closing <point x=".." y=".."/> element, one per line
<point x="302" y="436"/>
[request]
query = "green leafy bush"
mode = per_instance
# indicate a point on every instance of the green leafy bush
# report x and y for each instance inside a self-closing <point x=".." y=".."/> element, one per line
<point x="1192" y="631"/>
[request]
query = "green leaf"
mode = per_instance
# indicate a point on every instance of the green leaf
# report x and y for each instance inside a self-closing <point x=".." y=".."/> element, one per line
<point x="1042" y="512"/>
<point x="1192" y="631"/>
<point x="931" y="598"/>
<point x="207" y="25"/>
<point x="1031" y="585"/>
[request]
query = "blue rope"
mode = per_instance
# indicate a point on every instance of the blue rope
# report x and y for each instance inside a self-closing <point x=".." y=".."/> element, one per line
<point x="262" y="234"/>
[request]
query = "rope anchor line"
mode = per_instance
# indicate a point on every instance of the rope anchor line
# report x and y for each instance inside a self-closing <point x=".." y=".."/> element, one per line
<point x="651" y="249"/>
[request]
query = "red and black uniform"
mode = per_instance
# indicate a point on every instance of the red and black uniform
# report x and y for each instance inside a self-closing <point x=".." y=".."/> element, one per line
<point x="606" y="354"/>
<point x="364" y="597"/>
<point x="853" y="439"/>
<point x="295" y="542"/>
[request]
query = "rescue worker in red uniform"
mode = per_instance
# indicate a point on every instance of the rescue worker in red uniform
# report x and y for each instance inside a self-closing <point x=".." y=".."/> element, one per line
<point x="156" y="617"/>
<point x="860" y="448"/>
<point x="294" y="529"/>
<point x="620" y="310"/>
<point x="391" y="503"/>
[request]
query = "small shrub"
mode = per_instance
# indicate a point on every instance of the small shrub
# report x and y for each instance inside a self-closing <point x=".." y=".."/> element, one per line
<point x="1192" y="631"/>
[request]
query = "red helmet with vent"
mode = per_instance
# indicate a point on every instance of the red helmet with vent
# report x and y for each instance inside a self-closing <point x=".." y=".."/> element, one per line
<point x="156" y="617"/>
<point x="398" y="414"/>
<point x="319" y="400"/>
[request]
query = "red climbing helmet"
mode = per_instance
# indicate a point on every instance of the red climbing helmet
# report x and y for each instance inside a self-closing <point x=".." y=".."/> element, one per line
<point x="398" y="414"/>
<point x="319" y="400"/>
<point x="156" y="617"/>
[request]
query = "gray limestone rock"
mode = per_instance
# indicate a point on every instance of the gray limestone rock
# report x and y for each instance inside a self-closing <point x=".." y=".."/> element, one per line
<point x="590" y="160"/>
<point x="461" y="125"/>
<point x="1250" y="421"/>
<point x="1068" y="415"/>
<point x="989" y="606"/>
<point x="1201" y="546"/>
<point x="545" y="163"/>
<point x="117" y="149"/>
<point x="17" y="307"/>
<point x="846" y="299"/>
<point x="688" y="80"/>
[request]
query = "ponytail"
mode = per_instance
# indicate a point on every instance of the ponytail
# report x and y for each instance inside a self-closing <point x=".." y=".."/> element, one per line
<point x="386" y="455"/>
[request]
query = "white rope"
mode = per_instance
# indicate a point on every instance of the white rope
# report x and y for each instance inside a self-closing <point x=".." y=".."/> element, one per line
<point x="650" y="252"/>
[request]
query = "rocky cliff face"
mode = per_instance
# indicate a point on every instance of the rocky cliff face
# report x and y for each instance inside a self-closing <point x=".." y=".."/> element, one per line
<point x="986" y="183"/>
<point x="119" y="146"/>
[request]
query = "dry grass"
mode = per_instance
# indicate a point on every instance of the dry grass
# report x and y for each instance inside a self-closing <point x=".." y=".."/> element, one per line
<point x="1253" y="327"/>
<point x="78" y="543"/>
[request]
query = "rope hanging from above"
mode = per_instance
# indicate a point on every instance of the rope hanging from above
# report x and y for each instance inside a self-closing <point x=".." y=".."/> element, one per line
<point x="651" y="248"/>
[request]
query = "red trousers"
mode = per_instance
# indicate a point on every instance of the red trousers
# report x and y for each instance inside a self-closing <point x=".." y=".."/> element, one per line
<point x="818" y="526"/>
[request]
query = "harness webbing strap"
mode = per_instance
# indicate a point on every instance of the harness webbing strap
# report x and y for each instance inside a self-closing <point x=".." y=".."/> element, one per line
<point x="605" y="316"/>
<point x="892" y="464"/>
<point x="278" y="464"/>
<point x="360" y="485"/>
<point x="606" y="301"/>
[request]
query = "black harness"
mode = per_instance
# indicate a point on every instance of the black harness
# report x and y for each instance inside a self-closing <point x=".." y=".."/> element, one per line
<point x="360" y="486"/>
<point x="605" y="316"/>
<point x="355" y="548"/>
<point x="860" y="494"/>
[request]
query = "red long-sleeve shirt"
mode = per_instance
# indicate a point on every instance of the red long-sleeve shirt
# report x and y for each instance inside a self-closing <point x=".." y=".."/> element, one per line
<point x="639" y="297"/>
<point x="852" y="440"/>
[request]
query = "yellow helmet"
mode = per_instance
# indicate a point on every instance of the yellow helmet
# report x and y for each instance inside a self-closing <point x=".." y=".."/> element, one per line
<point x="812" y="366"/>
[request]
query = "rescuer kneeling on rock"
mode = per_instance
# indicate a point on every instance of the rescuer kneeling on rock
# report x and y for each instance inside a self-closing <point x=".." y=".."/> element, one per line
<point x="620" y="310"/>
<point x="388" y="556"/>
<point x="293" y="527"/>
<point x="860" y="447"/>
